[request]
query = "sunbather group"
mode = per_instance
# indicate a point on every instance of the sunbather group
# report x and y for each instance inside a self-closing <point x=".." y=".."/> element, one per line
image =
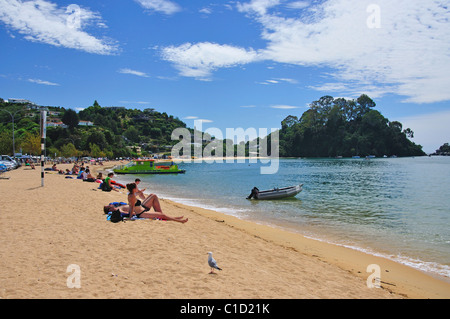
<point x="141" y="209"/>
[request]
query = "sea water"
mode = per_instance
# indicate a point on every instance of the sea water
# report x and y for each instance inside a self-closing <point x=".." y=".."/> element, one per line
<point x="398" y="208"/>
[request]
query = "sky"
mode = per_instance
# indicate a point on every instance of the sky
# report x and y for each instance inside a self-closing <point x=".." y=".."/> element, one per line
<point x="232" y="64"/>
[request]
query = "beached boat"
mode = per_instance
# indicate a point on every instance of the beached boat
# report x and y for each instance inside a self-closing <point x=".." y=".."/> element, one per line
<point x="276" y="193"/>
<point x="148" y="167"/>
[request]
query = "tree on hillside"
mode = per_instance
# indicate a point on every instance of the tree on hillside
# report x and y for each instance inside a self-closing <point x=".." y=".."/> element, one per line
<point x="71" y="119"/>
<point x="6" y="144"/>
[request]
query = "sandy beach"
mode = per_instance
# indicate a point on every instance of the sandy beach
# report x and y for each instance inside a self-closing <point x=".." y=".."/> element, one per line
<point x="47" y="229"/>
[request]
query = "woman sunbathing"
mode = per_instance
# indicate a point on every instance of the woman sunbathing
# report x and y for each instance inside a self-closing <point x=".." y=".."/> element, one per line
<point x="150" y="201"/>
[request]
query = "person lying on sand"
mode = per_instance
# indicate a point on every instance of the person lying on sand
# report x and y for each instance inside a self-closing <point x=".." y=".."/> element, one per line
<point x="141" y="213"/>
<point x="147" y="203"/>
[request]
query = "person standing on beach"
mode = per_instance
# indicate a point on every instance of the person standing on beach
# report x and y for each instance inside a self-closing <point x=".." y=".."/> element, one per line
<point x="149" y="202"/>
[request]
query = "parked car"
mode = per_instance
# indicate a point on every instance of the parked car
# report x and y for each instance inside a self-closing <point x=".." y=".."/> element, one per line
<point x="3" y="168"/>
<point x="9" y="165"/>
<point x="8" y="159"/>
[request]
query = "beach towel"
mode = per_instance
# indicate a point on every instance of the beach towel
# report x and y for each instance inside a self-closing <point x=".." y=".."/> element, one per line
<point x="122" y="217"/>
<point x="117" y="204"/>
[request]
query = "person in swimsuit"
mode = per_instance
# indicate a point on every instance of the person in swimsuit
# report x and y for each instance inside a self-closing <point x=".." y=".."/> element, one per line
<point x="124" y="210"/>
<point x="150" y="201"/>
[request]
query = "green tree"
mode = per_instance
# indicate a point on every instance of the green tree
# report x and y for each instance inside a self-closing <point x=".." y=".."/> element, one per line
<point x="69" y="150"/>
<point x="71" y="119"/>
<point x="95" y="137"/>
<point x="132" y="134"/>
<point x="96" y="151"/>
<point x="31" y="143"/>
<point x="6" y="144"/>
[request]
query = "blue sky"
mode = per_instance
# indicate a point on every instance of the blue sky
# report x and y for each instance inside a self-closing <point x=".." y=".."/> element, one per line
<point x="247" y="63"/>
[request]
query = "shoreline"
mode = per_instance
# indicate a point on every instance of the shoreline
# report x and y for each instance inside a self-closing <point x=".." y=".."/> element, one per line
<point x="350" y="259"/>
<point x="63" y="224"/>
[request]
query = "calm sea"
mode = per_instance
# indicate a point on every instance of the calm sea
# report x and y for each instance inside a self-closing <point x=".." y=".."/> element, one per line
<point x="397" y="208"/>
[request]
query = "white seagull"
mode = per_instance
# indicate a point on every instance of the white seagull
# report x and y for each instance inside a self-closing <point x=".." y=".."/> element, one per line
<point x="212" y="263"/>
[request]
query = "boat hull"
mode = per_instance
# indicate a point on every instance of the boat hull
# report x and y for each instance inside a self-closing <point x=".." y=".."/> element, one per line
<point x="147" y="167"/>
<point x="279" y="193"/>
<point x="148" y="172"/>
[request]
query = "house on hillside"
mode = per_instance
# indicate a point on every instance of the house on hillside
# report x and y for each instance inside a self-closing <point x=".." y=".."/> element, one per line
<point x="56" y="124"/>
<point x="85" y="123"/>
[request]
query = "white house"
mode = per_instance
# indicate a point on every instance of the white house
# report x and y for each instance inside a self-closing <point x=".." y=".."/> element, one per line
<point x="20" y="101"/>
<point x="56" y="124"/>
<point x="85" y="123"/>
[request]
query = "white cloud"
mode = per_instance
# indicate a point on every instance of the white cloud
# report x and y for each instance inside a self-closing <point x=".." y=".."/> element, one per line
<point x="430" y="130"/>
<point x="403" y="50"/>
<point x="399" y="57"/>
<point x="133" y="72"/>
<point x="205" y="11"/>
<point x="298" y="5"/>
<point x="43" y="21"/>
<point x="133" y="102"/>
<point x="257" y="6"/>
<point x="38" y="81"/>
<point x="284" y="107"/>
<point x="197" y="120"/>
<point x="164" y="6"/>
<point x="199" y="60"/>
<point x="279" y="80"/>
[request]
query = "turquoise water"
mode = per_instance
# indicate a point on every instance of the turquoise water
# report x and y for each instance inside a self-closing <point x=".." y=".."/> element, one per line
<point x="398" y="208"/>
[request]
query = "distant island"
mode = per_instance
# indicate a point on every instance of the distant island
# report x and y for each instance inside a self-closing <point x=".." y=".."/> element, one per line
<point x="340" y="127"/>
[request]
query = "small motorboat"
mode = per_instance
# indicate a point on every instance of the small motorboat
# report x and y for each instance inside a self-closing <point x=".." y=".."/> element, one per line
<point x="276" y="193"/>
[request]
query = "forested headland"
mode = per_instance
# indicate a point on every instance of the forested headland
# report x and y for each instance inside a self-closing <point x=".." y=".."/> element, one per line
<point x="342" y="127"/>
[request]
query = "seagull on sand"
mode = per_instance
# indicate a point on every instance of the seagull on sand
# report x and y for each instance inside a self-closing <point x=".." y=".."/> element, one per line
<point x="212" y="263"/>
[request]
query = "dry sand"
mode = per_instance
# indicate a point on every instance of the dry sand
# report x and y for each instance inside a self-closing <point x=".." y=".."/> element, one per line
<point x="46" y="229"/>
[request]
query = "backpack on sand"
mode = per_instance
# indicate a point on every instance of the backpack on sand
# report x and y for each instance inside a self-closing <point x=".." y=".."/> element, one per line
<point x="116" y="216"/>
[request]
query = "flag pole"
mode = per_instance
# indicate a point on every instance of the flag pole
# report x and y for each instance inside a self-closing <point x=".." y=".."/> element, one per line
<point x="43" y="135"/>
